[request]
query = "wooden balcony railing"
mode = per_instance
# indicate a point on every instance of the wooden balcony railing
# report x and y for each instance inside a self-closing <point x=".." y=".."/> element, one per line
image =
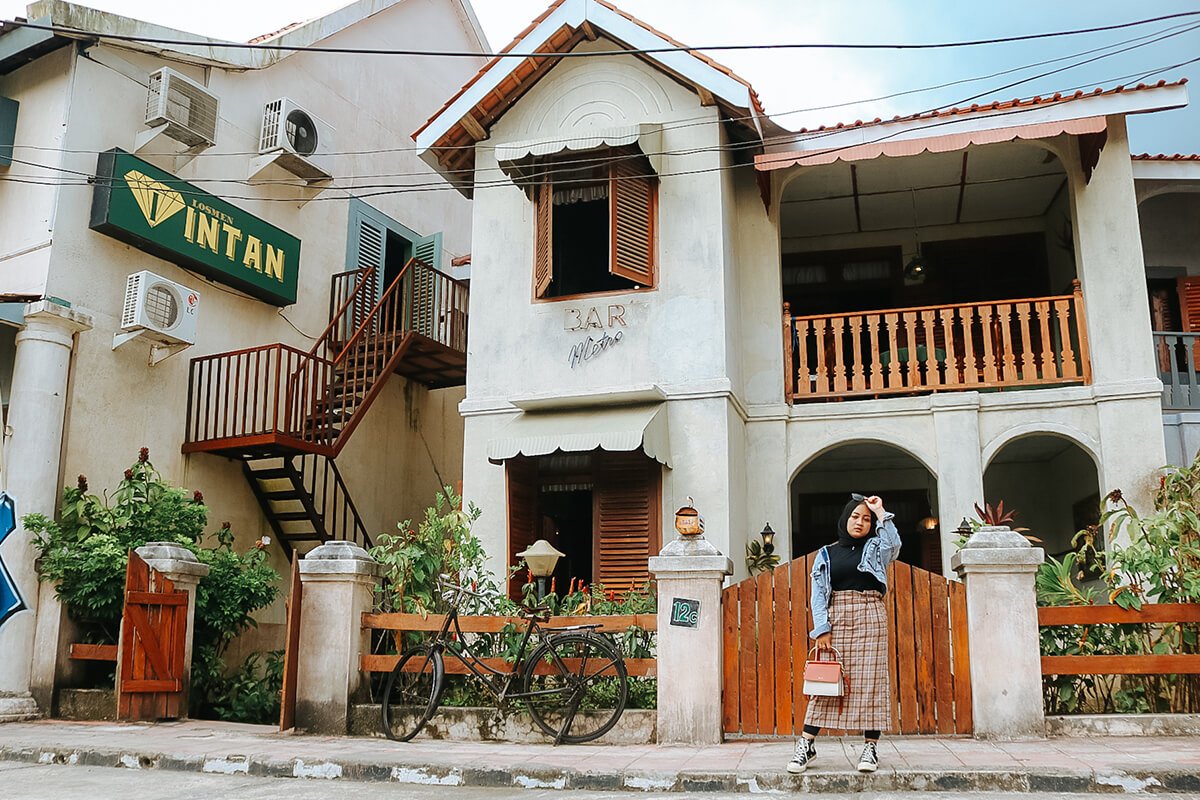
<point x="1175" y="354"/>
<point x="277" y="395"/>
<point x="991" y="345"/>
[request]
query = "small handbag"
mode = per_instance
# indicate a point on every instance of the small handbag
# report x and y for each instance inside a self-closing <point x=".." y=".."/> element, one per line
<point x="823" y="677"/>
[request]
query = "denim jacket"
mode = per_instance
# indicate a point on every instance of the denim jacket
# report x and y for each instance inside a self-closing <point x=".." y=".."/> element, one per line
<point x="878" y="552"/>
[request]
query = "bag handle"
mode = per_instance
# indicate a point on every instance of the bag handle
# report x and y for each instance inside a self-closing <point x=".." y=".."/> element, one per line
<point x="831" y="649"/>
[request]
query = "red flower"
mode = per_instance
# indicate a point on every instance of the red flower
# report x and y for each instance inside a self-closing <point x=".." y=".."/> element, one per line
<point x="143" y="455"/>
<point x="197" y="497"/>
<point x="82" y="482"/>
<point x="128" y="474"/>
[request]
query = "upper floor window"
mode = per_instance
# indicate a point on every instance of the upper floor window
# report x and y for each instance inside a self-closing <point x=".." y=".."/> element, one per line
<point x="595" y="225"/>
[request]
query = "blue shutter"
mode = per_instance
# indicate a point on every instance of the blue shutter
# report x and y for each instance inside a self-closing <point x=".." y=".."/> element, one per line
<point x="426" y="302"/>
<point x="429" y="249"/>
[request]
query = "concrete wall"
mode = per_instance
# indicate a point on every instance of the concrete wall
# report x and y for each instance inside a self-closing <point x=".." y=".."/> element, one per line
<point x="1168" y="223"/>
<point x="119" y="403"/>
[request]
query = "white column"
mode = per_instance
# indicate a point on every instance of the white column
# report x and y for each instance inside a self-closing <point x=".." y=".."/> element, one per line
<point x="337" y="582"/>
<point x="689" y="646"/>
<point x="180" y="566"/>
<point x="998" y="567"/>
<point x="959" y="467"/>
<point x="37" y="409"/>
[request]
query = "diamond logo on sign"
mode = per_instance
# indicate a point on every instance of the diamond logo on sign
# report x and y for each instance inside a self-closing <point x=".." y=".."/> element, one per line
<point x="10" y="597"/>
<point x="157" y="201"/>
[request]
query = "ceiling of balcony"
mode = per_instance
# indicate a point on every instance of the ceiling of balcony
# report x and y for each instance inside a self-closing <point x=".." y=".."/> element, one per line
<point x="995" y="182"/>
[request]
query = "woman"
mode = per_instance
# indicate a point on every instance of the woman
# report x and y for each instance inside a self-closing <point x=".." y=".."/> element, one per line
<point x="849" y="579"/>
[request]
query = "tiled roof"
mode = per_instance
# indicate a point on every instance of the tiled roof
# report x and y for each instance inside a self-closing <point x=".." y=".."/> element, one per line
<point x="1164" y="157"/>
<point x="541" y="17"/>
<point x="268" y="36"/>
<point x="999" y="105"/>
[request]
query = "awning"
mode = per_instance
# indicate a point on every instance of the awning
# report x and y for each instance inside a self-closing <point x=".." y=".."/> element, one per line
<point x="516" y="158"/>
<point x="921" y="144"/>
<point x="619" y="429"/>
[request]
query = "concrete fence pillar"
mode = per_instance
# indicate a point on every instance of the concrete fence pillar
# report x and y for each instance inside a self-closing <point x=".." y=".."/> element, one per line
<point x="689" y="572"/>
<point x="36" y="416"/>
<point x="337" y="582"/>
<point x="998" y="567"/>
<point x="180" y="566"/>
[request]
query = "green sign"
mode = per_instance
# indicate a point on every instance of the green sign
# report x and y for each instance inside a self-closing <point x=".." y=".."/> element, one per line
<point x="169" y="218"/>
<point x="685" y="613"/>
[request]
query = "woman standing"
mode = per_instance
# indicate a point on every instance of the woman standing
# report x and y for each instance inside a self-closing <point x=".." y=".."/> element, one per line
<point x="849" y="580"/>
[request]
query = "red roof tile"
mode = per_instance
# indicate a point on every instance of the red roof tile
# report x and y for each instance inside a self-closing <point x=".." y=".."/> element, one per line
<point x="272" y="35"/>
<point x="998" y="105"/>
<point x="1164" y="157"/>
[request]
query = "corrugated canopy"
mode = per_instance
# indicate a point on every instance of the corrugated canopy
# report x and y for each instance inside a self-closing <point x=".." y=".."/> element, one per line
<point x="517" y="158"/>
<point x="618" y="429"/>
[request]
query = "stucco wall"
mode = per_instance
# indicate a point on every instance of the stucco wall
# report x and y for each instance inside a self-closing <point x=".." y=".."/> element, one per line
<point x="119" y="403"/>
<point x="1169" y="223"/>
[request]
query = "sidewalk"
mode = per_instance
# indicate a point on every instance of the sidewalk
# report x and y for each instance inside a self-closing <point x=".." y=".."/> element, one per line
<point x="1077" y="764"/>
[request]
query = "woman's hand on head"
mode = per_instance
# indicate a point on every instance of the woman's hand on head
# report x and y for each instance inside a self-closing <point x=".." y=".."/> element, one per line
<point x="825" y="641"/>
<point x="875" y="503"/>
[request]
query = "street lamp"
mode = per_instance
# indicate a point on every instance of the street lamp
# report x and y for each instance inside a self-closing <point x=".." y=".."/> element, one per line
<point x="542" y="558"/>
<point x="768" y="539"/>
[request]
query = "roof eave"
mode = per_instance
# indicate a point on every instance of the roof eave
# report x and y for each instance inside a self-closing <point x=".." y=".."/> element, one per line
<point x="20" y="45"/>
<point x="1166" y="170"/>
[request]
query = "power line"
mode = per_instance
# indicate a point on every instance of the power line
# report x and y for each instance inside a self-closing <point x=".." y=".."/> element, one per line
<point x="66" y="31"/>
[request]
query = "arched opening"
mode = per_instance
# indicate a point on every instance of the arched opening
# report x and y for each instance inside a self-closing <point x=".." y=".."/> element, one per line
<point x="823" y="486"/>
<point x="1051" y="484"/>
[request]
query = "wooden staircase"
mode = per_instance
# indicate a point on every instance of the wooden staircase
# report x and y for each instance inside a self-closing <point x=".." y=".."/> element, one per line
<point x="287" y="413"/>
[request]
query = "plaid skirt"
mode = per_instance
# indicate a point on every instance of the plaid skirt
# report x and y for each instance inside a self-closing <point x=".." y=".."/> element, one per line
<point x="860" y="633"/>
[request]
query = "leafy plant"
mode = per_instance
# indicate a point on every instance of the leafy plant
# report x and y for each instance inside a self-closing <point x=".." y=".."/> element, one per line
<point x="85" y="552"/>
<point x="757" y="559"/>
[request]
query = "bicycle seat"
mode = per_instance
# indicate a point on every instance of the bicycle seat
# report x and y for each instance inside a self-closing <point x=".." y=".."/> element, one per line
<point x="539" y="612"/>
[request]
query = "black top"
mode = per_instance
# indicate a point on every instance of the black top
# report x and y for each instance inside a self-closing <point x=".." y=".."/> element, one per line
<point x="844" y="558"/>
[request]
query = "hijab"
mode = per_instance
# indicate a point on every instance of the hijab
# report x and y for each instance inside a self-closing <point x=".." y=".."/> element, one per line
<point x="843" y="536"/>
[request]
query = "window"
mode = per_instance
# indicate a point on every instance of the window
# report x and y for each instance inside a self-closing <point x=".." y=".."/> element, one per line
<point x="602" y="510"/>
<point x="595" y="227"/>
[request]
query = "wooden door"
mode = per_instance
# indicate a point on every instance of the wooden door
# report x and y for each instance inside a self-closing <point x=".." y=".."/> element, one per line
<point x="627" y="526"/>
<point x="153" y="634"/>
<point x="524" y="525"/>
<point x="766" y="623"/>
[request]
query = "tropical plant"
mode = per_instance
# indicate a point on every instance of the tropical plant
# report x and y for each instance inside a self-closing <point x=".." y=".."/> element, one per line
<point x="757" y="559"/>
<point x="85" y="551"/>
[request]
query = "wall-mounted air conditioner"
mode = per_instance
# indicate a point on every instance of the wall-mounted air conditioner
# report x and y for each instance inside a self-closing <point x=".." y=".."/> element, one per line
<point x="182" y="109"/>
<point x="158" y="309"/>
<point x="296" y="140"/>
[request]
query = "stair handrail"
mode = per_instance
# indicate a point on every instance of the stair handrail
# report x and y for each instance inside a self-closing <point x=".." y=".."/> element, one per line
<point x="364" y="275"/>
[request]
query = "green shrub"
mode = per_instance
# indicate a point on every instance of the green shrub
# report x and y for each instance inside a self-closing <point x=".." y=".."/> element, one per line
<point x="85" y="553"/>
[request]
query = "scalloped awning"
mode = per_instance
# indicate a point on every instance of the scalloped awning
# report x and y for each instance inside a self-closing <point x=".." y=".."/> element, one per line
<point x="516" y="158"/>
<point x="621" y="429"/>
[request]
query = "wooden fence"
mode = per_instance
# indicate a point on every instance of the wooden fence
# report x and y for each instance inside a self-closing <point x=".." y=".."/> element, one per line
<point x="636" y="667"/>
<point x="1141" y="664"/>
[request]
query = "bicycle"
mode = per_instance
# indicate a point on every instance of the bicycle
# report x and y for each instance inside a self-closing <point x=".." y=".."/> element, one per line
<point x="575" y="677"/>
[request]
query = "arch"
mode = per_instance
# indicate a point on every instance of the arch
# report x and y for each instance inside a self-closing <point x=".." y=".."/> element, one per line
<point x="1009" y="435"/>
<point x="925" y="458"/>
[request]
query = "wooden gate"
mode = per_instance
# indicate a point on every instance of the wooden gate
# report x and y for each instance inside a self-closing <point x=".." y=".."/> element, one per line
<point x="766" y="624"/>
<point x="153" y="632"/>
<point x="291" y="652"/>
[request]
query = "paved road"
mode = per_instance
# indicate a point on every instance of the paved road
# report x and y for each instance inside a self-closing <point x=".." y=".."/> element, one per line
<point x="31" y="782"/>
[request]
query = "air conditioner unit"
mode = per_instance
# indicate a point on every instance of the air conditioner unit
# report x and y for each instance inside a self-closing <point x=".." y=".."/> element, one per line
<point x="159" y="309"/>
<point x="296" y="140"/>
<point x="185" y="110"/>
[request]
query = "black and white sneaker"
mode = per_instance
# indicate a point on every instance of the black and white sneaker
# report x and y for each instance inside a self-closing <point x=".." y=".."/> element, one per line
<point x="869" y="760"/>
<point x="806" y="751"/>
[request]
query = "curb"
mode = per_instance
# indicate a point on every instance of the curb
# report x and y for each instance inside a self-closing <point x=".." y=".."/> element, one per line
<point x="1167" y="779"/>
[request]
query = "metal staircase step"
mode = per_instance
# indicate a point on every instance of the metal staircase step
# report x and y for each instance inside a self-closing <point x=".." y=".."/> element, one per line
<point x="291" y="516"/>
<point x="285" y="494"/>
<point x="269" y="474"/>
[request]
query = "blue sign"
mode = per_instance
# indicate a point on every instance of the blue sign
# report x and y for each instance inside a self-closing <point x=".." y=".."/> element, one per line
<point x="10" y="597"/>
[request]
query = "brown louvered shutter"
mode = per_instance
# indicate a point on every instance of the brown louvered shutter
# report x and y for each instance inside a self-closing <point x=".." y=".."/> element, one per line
<point x="632" y="196"/>
<point x="628" y="518"/>
<point x="522" y="487"/>
<point x="1189" y="303"/>
<point x="543" y="242"/>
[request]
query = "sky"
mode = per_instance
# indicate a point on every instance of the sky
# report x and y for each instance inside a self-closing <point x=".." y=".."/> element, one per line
<point x="814" y="87"/>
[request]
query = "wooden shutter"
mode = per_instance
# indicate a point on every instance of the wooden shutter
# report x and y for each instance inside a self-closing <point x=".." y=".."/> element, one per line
<point x="543" y="244"/>
<point x="522" y="487"/>
<point x="631" y="210"/>
<point x="628" y="518"/>
<point x="1189" y="303"/>
<point x="428" y="251"/>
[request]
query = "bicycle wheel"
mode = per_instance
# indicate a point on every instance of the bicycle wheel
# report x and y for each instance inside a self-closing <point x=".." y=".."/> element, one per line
<point x="412" y="692"/>
<point x="577" y="687"/>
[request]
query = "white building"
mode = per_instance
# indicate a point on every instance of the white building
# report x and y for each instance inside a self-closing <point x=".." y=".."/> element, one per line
<point x="685" y="300"/>
<point x="264" y="218"/>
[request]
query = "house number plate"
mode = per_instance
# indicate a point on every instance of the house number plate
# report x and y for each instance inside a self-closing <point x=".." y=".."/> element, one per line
<point x="685" y="613"/>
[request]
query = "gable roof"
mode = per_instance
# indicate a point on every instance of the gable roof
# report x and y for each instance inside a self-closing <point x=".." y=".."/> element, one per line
<point x="446" y="140"/>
